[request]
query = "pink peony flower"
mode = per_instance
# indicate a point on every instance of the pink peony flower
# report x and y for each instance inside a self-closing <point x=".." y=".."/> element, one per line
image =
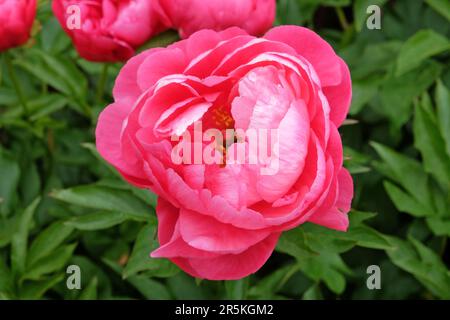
<point x="16" y="20"/>
<point x="222" y="220"/>
<point x="189" y="16"/>
<point x="107" y="30"/>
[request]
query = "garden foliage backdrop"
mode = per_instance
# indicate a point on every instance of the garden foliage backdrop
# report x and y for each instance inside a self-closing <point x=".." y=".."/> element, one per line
<point x="61" y="204"/>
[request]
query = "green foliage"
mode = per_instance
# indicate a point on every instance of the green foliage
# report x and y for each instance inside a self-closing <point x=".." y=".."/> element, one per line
<point x="61" y="204"/>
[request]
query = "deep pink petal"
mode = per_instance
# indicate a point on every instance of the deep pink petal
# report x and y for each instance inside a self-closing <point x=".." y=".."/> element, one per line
<point x="206" y="233"/>
<point x="340" y="96"/>
<point x="311" y="46"/>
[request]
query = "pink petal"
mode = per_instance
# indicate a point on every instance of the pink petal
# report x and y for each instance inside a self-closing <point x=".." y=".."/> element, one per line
<point x="126" y="87"/>
<point x="340" y="96"/>
<point x="159" y="64"/>
<point x="345" y="190"/>
<point x="310" y="45"/>
<point x="234" y="266"/>
<point x="206" y="233"/>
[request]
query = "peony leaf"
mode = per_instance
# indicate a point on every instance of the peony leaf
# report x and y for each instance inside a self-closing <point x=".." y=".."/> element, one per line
<point x="398" y="92"/>
<point x="406" y="203"/>
<point x="441" y="6"/>
<point x="313" y="293"/>
<point x="237" y="289"/>
<point x="270" y="285"/>
<point x="105" y="198"/>
<point x="140" y="259"/>
<point x="55" y="261"/>
<point x="19" y="240"/>
<point x="98" y="221"/>
<point x="90" y="292"/>
<point x="422" y="45"/>
<point x="423" y="263"/>
<point x="47" y="241"/>
<point x="442" y="97"/>
<point x="6" y="281"/>
<point x="36" y="289"/>
<point x="10" y="174"/>
<point x="149" y="288"/>
<point x="395" y="165"/>
<point x="431" y="145"/>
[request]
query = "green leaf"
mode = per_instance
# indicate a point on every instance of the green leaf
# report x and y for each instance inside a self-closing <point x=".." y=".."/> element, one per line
<point x="7" y="229"/>
<point x="362" y="93"/>
<point x="313" y="293"/>
<point x="441" y="6"/>
<point x="20" y="239"/>
<point x="237" y="289"/>
<point x="55" y="261"/>
<point x="30" y="182"/>
<point x="98" y="220"/>
<point x="46" y="75"/>
<point x="431" y="145"/>
<point x="397" y="92"/>
<point x="422" y="45"/>
<point x="184" y="287"/>
<point x="36" y="289"/>
<point x="396" y="165"/>
<point x="8" y="97"/>
<point x="423" y="263"/>
<point x="439" y="226"/>
<point x="355" y="161"/>
<point x="64" y="69"/>
<point x="442" y="97"/>
<point x="367" y="237"/>
<point x="6" y="281"/>
<point x="47" y="241"/>
<point x="406" y="203"/>
<point x="161" y="40"/>
<point x="324" y="264"/>
<point x="328" y="267"/>
<point x="140" y="259"/>
<point x="10" y="175"/>
<point x="320" y="239"/>
<point x="53" y="37"/>
<point x="149" y="288"/>
<point x="46" y="105"/>
<point x="267" y="287"/>
<point x="358" y="217"/>
<point x="294" y="243"/>
<point x="90" y="292"/>
<point x="104" y="198"/>
<point x="332" y="3"/>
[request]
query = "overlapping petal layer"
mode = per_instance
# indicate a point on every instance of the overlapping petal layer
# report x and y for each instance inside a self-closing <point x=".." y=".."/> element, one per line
<point x="222" y="220"/>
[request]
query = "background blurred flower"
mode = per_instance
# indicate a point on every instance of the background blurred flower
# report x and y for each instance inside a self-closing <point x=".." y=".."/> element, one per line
<point x="16" y="20"/>
<point x="189" y="16"/>
<point x="109" y="30"/>
<point x="223" y="222"/>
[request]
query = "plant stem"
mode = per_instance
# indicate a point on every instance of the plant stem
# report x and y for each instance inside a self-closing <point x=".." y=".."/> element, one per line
<point x="15" y="82"/>
<point x="102" y="84"/>
<point x="342" y="19"/>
